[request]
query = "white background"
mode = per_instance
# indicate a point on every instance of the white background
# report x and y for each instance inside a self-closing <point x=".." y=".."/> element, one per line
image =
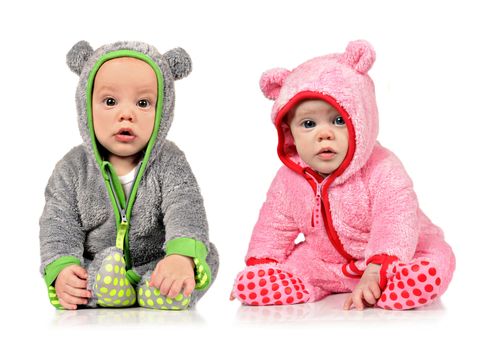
<point x="435" y="77"/>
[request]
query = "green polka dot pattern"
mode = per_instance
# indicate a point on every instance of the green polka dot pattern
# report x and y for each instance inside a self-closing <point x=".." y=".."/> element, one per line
<point x="201" y="274"/>
<point x="112" y="287"/>
<point x="52" y="295"/>
<point x="151" y="298"/>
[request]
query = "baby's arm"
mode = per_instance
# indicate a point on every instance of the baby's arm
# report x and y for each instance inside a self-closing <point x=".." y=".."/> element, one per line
<point x="275" y="232"/>
<point x="61" y="235"/>
<point x="70" y="287"/>
<point x="367" y="291"/>
<point x="185" y="222"/>
<point x="394" y="210"/>
<point x="173" y="274"/>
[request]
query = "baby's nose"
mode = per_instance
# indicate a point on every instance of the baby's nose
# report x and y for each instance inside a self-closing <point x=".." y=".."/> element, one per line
<point x="326" y="133"/>
<point x="126" y="114"/>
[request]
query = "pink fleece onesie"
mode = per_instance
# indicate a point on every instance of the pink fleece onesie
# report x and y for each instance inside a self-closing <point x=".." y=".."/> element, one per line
<point x="365" y="211"/>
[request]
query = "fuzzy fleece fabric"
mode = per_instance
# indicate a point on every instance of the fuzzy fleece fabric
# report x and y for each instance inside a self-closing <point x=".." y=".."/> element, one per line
<point x="79" y="222"/>
<point x="366" y="211"/>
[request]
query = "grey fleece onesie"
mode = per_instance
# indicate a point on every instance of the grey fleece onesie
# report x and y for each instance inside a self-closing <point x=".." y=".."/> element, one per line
<point x="87" y="219"/>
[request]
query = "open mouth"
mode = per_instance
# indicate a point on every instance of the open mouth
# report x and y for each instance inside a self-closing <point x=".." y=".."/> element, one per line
<point x="327" y="150"/>
<point x="125" y="132"/>
<point x="125" y="135"/>
<point x="326" y="153"/>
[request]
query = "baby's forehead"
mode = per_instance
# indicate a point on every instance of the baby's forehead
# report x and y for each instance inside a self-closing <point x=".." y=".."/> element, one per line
<point x="126" y="71"/>
<point x="306" y="107"/>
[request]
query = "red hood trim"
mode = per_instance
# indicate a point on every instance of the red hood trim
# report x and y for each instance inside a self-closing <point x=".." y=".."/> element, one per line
<point x="310" y="175"/>
<point x="311" y="95"/>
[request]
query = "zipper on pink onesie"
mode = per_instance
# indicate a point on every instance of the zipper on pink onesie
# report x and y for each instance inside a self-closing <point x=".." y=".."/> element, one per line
<point x="316" y="211"/>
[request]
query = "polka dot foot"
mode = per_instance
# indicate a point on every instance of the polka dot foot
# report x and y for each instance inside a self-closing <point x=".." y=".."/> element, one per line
<point x="151" y="298"/>
<point x="411" y="285"/>
<point x="269" y="285"/>
<point x="112" y="287"/>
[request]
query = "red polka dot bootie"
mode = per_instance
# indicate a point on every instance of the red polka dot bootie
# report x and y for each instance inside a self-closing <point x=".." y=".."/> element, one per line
<point x="410" y="285"/>
<point x="269" y="285"/>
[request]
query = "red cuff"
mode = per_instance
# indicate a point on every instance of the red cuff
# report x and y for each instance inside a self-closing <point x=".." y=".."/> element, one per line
<point x="385" y="261"/>
<point x="255" y="261"/>
<point x="350" y="270"/>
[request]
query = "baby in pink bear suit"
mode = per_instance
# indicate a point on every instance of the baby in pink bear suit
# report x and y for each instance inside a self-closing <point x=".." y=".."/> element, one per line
<point x="350" y="197"/>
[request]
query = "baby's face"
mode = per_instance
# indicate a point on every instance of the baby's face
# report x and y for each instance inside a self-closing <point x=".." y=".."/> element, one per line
<point x="123" y="105"/>
<point x="320" y="135"/>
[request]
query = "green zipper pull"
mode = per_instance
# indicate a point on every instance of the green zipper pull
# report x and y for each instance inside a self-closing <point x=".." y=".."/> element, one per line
<point x="121" y="231"/>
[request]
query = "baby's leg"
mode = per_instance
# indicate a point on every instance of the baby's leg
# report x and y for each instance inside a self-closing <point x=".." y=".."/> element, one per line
<point x="302" y="278"/>
<point x="420" y="281"/>
<point x="270" y="284"/>
<point x="150" y="297"/>
<point x="108" y="281"/>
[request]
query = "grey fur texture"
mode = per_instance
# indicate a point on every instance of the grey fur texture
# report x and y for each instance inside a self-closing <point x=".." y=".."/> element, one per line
<point x="179" y="62"/>
<point x="78" y="219"/>
<point x="78" y="55"/>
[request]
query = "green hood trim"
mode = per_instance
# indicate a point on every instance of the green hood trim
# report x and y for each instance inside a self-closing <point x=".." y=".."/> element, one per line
<point x="122" y="236"/>
<point x="158" y="107"/>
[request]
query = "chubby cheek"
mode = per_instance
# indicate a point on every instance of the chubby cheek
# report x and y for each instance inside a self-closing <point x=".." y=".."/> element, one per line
<point x="147" y="126"/>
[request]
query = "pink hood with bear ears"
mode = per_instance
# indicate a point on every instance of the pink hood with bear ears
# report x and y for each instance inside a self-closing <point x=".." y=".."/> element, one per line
<point x="342" y="81"/>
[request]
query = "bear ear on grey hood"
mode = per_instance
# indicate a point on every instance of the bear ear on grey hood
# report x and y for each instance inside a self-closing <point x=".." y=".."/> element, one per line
<point x="179" y="62"/>
<point x="78" y="55"/>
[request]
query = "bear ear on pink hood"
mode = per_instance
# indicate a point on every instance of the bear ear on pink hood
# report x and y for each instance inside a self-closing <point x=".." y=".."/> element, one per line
<point x="272" y="81"/>
<point x="359" y="55"/>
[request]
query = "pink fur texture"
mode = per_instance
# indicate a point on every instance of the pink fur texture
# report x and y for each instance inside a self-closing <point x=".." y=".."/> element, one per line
<point x="371" y="205"/>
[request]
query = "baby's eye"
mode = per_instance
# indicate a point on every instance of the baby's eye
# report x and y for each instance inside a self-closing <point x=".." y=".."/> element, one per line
<point x="308" y="124"/>
<point x="143" y="103"/>
<point x="109" y="101"/>
<point x="339" y="121"/>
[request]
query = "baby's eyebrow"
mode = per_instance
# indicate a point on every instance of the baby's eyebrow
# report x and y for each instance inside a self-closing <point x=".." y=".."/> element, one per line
<point x="146" y="89"/>
<point x="105" y="88"/>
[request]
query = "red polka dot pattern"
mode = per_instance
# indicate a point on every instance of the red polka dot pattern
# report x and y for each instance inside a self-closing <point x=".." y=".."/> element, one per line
<point x="417" y="284"/>
<point x="261" y="285"/>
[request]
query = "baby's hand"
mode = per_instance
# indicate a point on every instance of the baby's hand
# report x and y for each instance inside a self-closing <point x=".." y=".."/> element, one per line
<point x="368" y="289"/>
<point x="173" y="274"/>
<point x="70" y="287"/>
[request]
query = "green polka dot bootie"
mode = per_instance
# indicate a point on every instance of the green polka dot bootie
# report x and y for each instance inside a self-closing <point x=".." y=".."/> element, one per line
<point x="112" y="287"/>
<point x="52" y="295"/>
<point x="151" y="298"/>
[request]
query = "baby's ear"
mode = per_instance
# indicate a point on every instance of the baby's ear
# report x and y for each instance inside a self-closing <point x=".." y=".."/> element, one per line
<point x="359" y="55"/>
<point x="271" y="82"/>
<point x="78" y="55"/>
<point x="179" y="62"/>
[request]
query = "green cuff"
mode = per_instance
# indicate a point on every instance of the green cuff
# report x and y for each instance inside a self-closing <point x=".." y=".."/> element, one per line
<point x="53" y="269"/>
<point x="196" y="250"/>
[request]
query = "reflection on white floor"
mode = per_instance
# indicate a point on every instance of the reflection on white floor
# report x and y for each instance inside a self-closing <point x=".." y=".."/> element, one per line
<point x="330" y="309"/>
<point x="116" y="317"/>
<point x="327" y="310"/>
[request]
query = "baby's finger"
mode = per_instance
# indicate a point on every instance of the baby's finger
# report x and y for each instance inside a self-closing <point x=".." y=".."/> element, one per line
<point x="76" y="281"/>
<point x="188" y="286"/>
<point x="348" y="302"/>
<point x="375" y="289"/>
<point x="71" y="300"/>
<point x="156" y="280"/>
<point x="78" y="292"/>
<point x="66" y="305"/>
<point x="369" y="297"/>
<point x="165" y="286"/>
<point x="79" y="271"/>
<point x="175" y="288"/>
<point x="357" y="300"/>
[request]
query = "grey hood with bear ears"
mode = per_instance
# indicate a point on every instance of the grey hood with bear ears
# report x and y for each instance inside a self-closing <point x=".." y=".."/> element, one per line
<point x="84" y="61"/>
